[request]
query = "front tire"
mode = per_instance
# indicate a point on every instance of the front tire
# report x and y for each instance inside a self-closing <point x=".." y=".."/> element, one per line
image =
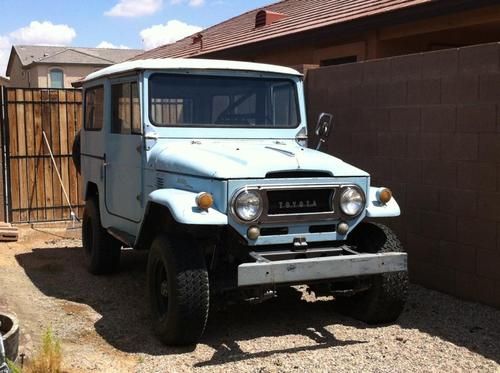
<point x="178" y="289"/>
<point x="384" y="301"/>
<point x="102" y="251"/>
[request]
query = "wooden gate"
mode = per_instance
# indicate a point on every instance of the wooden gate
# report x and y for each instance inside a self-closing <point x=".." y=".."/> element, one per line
<point x="32" y="186"/>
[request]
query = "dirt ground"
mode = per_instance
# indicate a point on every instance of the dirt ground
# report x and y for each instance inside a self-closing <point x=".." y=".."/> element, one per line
<point x="103" y="322"/>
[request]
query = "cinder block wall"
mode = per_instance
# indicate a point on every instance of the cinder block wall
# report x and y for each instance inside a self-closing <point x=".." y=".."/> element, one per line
<point x="428" y="127"/>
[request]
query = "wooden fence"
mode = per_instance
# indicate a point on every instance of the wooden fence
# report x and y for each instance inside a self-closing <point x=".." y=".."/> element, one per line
<point x="34" y="192"/>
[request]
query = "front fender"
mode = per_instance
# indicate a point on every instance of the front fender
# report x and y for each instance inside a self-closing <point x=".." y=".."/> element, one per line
<point x="182" y="206"/>
<point x="377" y="210"/>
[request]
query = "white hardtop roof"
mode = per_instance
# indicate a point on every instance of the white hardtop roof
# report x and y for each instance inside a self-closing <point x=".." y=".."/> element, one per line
<point x="188" y="64"/>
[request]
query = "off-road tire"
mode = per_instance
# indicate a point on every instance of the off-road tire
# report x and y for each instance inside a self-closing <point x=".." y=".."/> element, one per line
<point x="176" y="264"/>
<point x="102" y="251"/>
<point x="384" y="301"/>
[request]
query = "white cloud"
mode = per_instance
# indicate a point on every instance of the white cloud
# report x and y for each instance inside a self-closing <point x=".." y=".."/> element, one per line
<point x="196" y="2"/>
<point x="107" y="44"/>
<point x="36" y="33"/>
<point x="168" y="33"/>
<point x="4" y="54"/>
<point x="134" y="8"/>
<point x="193" y="3"/>
<point x="43" y="33"/>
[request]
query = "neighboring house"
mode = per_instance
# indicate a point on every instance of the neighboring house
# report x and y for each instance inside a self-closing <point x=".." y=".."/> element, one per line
<point x="33" y="66"/>
<point x="330" y="32"/>
<point x="4" y="81"/>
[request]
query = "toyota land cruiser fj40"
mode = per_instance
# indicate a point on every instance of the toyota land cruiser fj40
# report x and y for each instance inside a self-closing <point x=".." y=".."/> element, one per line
<point x="205" y="164"/>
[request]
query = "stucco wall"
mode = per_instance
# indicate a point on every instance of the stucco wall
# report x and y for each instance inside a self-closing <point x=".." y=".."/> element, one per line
<point x="71" y="73"/>
<point x="37" y="76"/>
<point x="18" y="76"/>
<point x="427" y="126"/>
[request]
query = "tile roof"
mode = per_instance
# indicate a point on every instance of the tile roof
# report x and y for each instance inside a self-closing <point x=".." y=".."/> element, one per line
<point x="72" y="55"/>
<point x="301" y="15"/>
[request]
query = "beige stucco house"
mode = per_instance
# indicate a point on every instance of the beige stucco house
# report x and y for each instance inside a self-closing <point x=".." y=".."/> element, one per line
<point x="33" y="66"/>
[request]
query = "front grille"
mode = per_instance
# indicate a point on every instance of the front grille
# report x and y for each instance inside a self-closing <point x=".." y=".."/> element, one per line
<point x="299" y="201"/>
<point x="160" y="182"/>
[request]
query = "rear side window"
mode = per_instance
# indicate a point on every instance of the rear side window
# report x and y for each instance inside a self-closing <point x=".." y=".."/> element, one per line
<point x="94" y="104"/>
<point x="125" y="108"/>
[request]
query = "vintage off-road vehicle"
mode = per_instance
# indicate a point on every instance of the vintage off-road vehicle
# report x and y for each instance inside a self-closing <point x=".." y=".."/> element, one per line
<point x="205" y="164"/>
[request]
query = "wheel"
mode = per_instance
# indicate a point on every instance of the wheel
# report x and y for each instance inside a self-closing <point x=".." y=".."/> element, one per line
<point x="385" y="298"/>
<point x="178" y="290"/>
<point x="75" y="152"/>
<point x="102" y="251"/>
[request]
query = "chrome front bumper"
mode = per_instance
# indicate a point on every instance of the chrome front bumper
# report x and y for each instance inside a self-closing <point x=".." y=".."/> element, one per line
<point x="295" y="271"/>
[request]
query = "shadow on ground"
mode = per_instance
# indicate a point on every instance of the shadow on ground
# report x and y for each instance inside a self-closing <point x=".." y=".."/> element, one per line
<point x="122" y="301"/>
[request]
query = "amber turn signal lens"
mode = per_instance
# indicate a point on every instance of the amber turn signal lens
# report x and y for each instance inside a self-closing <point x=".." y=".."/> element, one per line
<point x="204" y="200"/>
<point x="385" y="195"/>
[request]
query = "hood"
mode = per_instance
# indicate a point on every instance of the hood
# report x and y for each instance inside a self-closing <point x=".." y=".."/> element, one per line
<point x="245" y="161"/>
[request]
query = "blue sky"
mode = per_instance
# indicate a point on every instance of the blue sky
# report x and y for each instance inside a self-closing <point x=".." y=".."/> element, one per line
<point x="122" y="23"/>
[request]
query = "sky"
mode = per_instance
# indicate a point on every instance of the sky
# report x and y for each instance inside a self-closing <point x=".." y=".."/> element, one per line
<point x="141" y="24"/>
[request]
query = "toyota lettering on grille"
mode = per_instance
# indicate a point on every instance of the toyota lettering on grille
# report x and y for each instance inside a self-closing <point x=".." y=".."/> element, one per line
<point x="299" y="201"/>
<point x="294" y="204"/>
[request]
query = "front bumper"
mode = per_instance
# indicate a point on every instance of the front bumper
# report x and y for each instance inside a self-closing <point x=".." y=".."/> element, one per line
<point x="295" y="271"/>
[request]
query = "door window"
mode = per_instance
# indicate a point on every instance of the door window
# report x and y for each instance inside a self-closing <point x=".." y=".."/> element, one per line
<point x="125" y="108"/>
<point x="94" y="103"/>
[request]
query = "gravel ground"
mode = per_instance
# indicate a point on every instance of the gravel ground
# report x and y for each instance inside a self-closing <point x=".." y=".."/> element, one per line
<point x="103" y="323"/>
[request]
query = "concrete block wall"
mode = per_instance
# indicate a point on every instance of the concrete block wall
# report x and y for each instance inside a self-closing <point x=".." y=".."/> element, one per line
<point x="428" y="127"/>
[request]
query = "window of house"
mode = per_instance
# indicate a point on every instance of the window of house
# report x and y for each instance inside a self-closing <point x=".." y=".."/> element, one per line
<point x="125" y="107"/>
<point x="94" y="104"/>
<point x="56" y="78"/>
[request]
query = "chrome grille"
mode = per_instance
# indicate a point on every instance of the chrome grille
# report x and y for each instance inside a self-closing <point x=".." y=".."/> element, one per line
<point x="300" y="201"/>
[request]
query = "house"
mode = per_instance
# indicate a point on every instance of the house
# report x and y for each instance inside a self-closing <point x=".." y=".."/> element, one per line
<point x="33" y="66"/>
<point x="331" y="32"/>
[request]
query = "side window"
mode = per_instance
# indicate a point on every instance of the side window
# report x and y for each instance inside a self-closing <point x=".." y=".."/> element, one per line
<point x="94" y="103"/>
<point x="125" y="108"/>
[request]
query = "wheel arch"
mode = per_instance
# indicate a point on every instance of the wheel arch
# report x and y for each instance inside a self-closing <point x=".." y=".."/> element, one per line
<point x="159" y="219"/>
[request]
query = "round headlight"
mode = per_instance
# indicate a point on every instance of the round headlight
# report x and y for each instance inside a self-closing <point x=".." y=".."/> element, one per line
<point x="352" y="201"/>
<point x="248" y="205"/>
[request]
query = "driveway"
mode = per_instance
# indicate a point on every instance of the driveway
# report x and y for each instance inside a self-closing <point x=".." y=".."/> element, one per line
<point x="104" y="325"/>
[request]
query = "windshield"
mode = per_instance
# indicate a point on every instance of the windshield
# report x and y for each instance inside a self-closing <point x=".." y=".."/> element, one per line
<point x="217" y="101"/>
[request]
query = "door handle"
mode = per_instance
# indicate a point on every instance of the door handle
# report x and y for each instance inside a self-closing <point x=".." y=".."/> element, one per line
<point x="103" y="169"/>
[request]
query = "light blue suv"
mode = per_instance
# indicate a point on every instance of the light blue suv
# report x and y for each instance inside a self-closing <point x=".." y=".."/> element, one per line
<point x="205" y="164"/>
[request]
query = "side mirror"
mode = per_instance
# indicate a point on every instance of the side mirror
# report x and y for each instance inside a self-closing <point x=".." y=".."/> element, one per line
<point x="323" y="128"/>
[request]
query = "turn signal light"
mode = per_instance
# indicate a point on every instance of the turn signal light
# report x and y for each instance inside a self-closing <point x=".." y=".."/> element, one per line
<point x="384" y="195"/>
<point x="204" y="200"/>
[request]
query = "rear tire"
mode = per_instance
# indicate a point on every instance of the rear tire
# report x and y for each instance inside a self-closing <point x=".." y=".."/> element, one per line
<point x="384" y="301"/>
<point x="178" y="289"/>
<point x="102" y="251"/>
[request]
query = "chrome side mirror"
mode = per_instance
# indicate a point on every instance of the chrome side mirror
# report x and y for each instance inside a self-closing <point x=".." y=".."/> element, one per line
<point x="323" y="128"/>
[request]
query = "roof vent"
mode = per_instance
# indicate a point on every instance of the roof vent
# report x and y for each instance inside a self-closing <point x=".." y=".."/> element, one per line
<point x="266" y="17"/>
<point x="198" y="39"/>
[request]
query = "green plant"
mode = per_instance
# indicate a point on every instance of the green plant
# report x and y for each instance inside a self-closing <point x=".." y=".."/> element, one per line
<point x="13" y="367"/>
<point x="49" y="358"/>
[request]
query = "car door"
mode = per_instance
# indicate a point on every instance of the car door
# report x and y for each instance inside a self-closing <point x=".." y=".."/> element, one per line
<point x="123" y="168"/>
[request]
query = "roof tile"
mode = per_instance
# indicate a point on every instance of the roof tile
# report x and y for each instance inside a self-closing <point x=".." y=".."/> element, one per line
<point x="301" y="15"/>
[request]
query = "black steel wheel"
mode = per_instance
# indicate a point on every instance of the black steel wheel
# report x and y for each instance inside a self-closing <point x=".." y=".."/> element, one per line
<point x="102" y="251"/>
<point x="178" y="289"/>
